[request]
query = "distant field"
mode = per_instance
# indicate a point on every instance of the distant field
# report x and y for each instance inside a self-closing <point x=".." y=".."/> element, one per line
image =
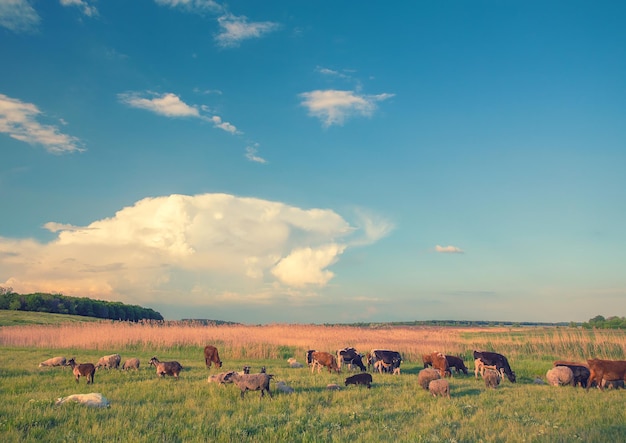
<point x="14" y="318"/>
<point x="147" y="409"/>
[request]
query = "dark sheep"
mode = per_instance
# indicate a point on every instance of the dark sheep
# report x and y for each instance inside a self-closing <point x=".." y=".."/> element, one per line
<point x="172" y="368"/>
<point x="360" y="379"/>
<point x="251" y="382"/>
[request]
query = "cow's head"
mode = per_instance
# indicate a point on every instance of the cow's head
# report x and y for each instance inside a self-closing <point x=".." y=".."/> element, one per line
<point x="511" y="377"/>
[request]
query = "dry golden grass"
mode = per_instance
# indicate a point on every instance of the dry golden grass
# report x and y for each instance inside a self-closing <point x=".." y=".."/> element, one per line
<point x="265" y="341"/>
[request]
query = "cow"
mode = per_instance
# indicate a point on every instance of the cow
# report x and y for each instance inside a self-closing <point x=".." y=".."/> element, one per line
<point x="440" y="363"/>
<point x="172" y="368"/>
<point x="391" y="359"/>
<point x="363" y="378"/>
<point x="324" y="359"/>
<point x="580" y="371"/>
<point x="499" y="360"/>
<point x="427" y="360"/>
<point x="211" y="356"/>
<point x="350" y="357"/>
<point x="608" y="370"/>
<point x="456" y="363"/>
<point x="86" y="370"/>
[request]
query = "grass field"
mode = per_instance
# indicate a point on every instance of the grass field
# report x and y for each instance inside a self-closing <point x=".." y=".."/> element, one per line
<point x="145" y="408"/>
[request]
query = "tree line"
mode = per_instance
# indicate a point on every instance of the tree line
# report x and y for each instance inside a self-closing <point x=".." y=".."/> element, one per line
<point x="61" y="304"/>
<point x="600" y="322"/>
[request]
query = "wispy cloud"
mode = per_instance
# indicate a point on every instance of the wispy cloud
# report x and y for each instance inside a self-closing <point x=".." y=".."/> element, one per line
<point x="251" y="154"/>
<point x="201" y="246"/>
<point x="86" y="8"/>
<point x="333" y="107"/>
<point x="235" y="29"/>
<point x="449" y="249"/>
<point x="192" y="5"/>
<point x="18" y="16"/>
<point x="19" y="120"/>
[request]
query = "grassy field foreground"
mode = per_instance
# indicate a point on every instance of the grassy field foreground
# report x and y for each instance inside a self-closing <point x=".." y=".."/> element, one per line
<point x="145" y="408"/>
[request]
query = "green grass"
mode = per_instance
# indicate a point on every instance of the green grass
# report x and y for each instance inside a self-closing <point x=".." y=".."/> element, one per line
<point x="147" y="409"/>
<point x="16" y="318"/>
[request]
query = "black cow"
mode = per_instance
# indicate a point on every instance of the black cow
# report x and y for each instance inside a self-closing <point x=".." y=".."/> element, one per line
<point x="350" y="357"/>
<point x="391" y="359"/>
<point x="581" y="373"/>
<point x="499" y="360"/>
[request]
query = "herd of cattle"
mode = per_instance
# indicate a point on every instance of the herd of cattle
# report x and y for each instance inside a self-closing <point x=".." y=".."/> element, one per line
<point x="491" y="366"/>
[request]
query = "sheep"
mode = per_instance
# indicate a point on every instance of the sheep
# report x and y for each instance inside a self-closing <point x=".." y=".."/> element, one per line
<point x="293" y="363"/>
<point x="109" y="361"/>
<point x="439" y="387"/>
<point x="427" y="375"/>
<point x="283" y="387"/>
<point x="54" y="361"/>
<point x="480" y="367"/>
<point x="172" y="368"/>
<point x="221" y="378"/>
<point x="560" y="375"/>
<point x="131" y="363"/>
<point x="85" y="369"/>
<point x="251" y="382"/>
<point x="93" y="399"/>
<point x="363" y="378"/>
<point x="492" y="378"/>
<point x="333" y="387"/>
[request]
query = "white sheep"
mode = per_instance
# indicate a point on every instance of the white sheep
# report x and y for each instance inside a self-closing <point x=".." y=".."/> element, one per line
<point x="54" y="361"/>
<point x="560" y="375"/>
<point x="283" y="387"/>
<point x="93" y="400"/>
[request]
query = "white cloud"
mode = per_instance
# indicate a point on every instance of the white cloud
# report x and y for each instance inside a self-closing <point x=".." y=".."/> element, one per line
<point x="225" y="126"/>
<point x="332" y="106"/>
<point x="448" y="249"/>
<point x="251" y="154"/>
<point x="168" y="104"/>
<point x="18" y="15"/>
<point x="191" y="5"/>
<point x="19" y="120"/>
<point x="86" y="8"/>
<point x="198" y="247"/>
<point x="235" y="29"/>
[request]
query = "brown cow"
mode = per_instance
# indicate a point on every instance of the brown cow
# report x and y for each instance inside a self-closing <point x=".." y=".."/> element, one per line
<point x="85" y="369"/>
<point x="440" y="363"/>
<point x="211" y="356"/>
<point x="609" y="370"/>
<point x="428" y="360"/>
<point x="325" y="359"/>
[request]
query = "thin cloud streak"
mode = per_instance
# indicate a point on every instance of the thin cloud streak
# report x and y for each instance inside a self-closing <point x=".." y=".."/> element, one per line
<point x="18" y="16"/>
<point x="448" y="249"/>
<point x="333" y="106"/>
<point x="235" y="29"/>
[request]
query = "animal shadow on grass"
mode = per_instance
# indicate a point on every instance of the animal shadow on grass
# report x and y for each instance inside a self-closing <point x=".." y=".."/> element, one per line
<point x="465" y="392"/>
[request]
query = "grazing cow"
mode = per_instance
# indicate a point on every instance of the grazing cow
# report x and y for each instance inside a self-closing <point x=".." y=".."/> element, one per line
<point x="439" y="387"/>
<point x="109" y="361"/>
<point x="251" y="382"/>
<point x="608" y="370"/>
<point x="391" y="359"/>
<point x="440" y="363"/>
<point x="131" y="363"/>
<point x="350" y="357"/>
<point x="172" y="368"/>
<point x="427" y="375"/>
<point x="86" y="370"/>
<point x="324" y="359"/>
<point x="492" y="378"/>
<point x="211" y="356"/>
<point x="456" y="363"/>
<point x="560" y="375"/>
<point x="580" y="371"/>
<point x="54" y="361"/>
<point x="360" y="379"/>
<point x="93" y="400"/>
<point x="499" y="360"/>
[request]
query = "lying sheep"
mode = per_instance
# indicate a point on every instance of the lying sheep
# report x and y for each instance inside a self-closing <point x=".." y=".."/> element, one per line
<point x="131" y="363"/>
<point x="251" y="382"/>
<point x="221" y="378"/>
<point x="293" y="363"/>
<point x="283" y="387"/>
<point x="54" y="361"/>
<point x="83" y="369"/>
<point x="492" y="378"/>
<point x="333" y="387"/>
<point x="439" y="387"/>
<point x="109" y="361"/>
<point x="427" y="375"/>
<point x="560" y="375"/>
<point x="93" y="400"/>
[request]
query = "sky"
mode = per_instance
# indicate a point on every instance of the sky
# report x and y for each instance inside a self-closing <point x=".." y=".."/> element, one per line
<point x="317" y="162"/>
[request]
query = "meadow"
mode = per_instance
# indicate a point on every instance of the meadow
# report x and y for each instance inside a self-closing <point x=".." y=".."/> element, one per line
<point x="145" y="408"/>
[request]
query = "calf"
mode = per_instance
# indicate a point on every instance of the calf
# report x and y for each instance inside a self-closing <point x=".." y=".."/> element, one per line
<point x="360" y="379"/>
<point x="350" y="357"/>
<point x="391" y="359"/>
<point x="172" y="368"/>
<point x="440" y="363"/>
<point x="86" y="370"/>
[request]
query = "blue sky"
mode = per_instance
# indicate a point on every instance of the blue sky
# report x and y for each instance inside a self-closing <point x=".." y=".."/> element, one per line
<point x="317" y="161"/>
